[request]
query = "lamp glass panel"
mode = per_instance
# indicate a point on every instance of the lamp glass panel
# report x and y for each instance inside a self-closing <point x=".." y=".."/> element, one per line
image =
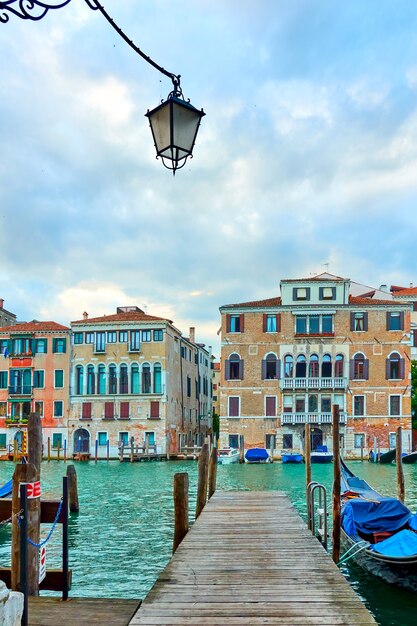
<point x="186" y="121"/>
<point x="160" y="123"/>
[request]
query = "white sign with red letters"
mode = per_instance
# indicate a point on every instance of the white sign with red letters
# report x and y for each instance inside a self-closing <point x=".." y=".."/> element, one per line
<point x="33" y="489"/>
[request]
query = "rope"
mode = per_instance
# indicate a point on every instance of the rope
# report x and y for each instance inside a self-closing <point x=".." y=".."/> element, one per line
<point x="11" y="518"/>
<point x="42" y="543"/>
<point x="360" y="545"/>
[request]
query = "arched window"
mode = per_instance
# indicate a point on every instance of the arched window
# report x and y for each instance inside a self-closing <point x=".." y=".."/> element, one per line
<point x="301" y="367"/>
<point x="234" y="367"/>
<point x="157" y="378"/>
<point x="339" y="366"/>
<point x="91" y="380"/>
<point x="123" y="380"/>
<point x="146" y="378"/>
<point x="313" y="368"/>
<point x="270" y="367"/>
<point x="79" y="380"/>
<point x="359" y="367"/>
<point x="101" y="379"/>
<point x="326" y="366"/>
<point x="134" y="379"/>
<point x="395" y="367"/>
<point x="112" y="379"/>
<point x="288" y="366"/>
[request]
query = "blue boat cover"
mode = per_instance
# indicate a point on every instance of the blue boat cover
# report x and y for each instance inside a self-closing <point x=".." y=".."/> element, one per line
<point x="384" y="515"/>
<point x="6" y="489"/>
<point x="403" y="543"/>
<point x="256" y="454"/>
<point x="321" y="449"/>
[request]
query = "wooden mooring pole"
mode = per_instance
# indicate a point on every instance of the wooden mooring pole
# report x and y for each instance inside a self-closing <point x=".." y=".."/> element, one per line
<point x="307" y="454"/>
<point x="336" y="484"/>
<point x="399" y="461"/>
<point x="241" y="449"/>
<point x="181" y="508"/>
<point x="203" y="463"/>
<point x="212" y="472"/>
<point x="132" y="449"/>
<point x="23" y="473"/>
<point x="49" y="449"/>
<point x="72" y="489"/>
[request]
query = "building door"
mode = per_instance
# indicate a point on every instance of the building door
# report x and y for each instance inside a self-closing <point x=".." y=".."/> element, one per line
<point x="81" y="440"/>
<point x="316" y="438"/>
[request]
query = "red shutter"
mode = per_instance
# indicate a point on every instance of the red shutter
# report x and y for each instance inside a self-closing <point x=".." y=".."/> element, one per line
<point x="124" y="410"/>
<point x="351" y="369"/>
<point x="402" y="320"/>
<point x="86" y="414"/>
<point x="352" y="321"/>
<point x="155" y="410"/>
<point x="387" y="369"/>
<point x="270" y="406"/>
<point x="278" y="322"/>
<point x="227" y="369"/>
<point x="366" y="369"/>
<point x="402" y="368"/>
<point x="278" y="370"/>
<point x="228" y="322"/>
<point x="265" y="317"/>
<point x="233" y="407"/>
<point x="263" y="369"/>
<point x="365" y="321"/>
<point x="109" y="410"/>
<point x="242" y="323"/>
<point x="241" y="369"/>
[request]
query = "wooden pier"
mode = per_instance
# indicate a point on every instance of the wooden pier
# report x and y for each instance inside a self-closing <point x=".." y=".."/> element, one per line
<point x="81" y="611"/>
<point x="250" y="559"/>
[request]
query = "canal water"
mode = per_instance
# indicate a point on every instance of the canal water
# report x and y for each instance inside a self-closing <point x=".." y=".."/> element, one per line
<point x="122" y="537"/>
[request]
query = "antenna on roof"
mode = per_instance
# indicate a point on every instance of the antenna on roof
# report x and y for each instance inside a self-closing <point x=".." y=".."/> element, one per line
<point x="326" y="265"/>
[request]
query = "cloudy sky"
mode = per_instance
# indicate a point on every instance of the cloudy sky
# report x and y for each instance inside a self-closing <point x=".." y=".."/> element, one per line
<point x="307" y="154"/>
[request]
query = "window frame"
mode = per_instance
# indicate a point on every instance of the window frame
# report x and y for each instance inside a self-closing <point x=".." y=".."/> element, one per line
<point x="356" y="397"/>
<point x="56" y="403"/>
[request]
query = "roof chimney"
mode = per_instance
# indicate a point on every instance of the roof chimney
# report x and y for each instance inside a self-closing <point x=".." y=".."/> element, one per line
<point x="85" y="315"/>
<point x="1" y="303"/>
<point x="192" y="334"/>
<point x="383" y="288"/>
<point x="411" y="287"/>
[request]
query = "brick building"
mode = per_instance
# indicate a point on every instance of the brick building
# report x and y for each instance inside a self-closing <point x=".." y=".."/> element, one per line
<point x="6" y="318"/>
<point x="135" y="374"/>
<point x="288" y="359"/>
<point x="34" y="376"/>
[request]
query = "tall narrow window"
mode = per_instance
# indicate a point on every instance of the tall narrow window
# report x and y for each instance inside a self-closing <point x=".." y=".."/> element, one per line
<point x="301" y="366"/>
<point x="312" y="403"/>
<point x="134" y="345"/>
<point x="234" y="407"/>
<point x="58" y="379"/>
<point x="313" y="368"/>
<point x="326" y="366"/>
<point x="288" y="366"/>
<point x="146" y="379"/>
<point x="270" y="367"/>
<point x="234" y="367"/>
<point x="395" y="367"/>
<point x="101" y="379"/>
<point x="134" y="373"/>
<point x="157" y="378"/>
<point x="338" y="366"/>
<point x="270" y="406"/>
<point x="359" y="367"/>
<point x="90" y="380"/>
<point x="79" y="380"/>
<point x="359" y="406"/>
<point x="124" y="381"/>
<point x="100" y="342"/>
<point x="112" y="379"/>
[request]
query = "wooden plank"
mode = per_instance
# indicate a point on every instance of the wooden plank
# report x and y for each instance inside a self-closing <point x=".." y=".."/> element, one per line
<point x="49" y="510"/>
<point x="249" y="559"/>
<point x="53" y="581"/>
<point x="83" y="611"/>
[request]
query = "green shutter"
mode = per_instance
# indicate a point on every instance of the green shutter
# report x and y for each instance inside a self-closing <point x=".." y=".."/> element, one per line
<point x="59" y="379"/>
<point x="54" y="344"/>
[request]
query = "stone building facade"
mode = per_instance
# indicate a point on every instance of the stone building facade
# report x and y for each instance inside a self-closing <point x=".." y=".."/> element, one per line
<point x="6" y="317"/>
<point x="288" y="359"/>
<point x="136" y="375"/>
<point x="34" y="376"/>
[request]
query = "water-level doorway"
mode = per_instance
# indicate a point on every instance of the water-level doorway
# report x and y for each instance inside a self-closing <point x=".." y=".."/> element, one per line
<point x="81" y="441"/>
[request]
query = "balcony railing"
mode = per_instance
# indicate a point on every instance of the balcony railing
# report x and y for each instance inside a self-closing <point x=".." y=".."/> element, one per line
<point x="310" y="418"/>
<point x="20" y="390"/>
<point x="313" y="383"/>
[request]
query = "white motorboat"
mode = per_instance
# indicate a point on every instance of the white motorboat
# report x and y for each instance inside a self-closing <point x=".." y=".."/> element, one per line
<point x="225" y="456"/>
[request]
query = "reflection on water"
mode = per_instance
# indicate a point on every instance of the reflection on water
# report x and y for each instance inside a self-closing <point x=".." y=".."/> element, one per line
<point x="122" y="537"/>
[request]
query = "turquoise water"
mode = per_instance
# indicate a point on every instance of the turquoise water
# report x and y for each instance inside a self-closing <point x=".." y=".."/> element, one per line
<point x="122" y="537"/>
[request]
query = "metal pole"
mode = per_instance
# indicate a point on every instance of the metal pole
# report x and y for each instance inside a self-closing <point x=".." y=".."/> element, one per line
<point x="23" y="587"/>
<point x="64" y="515"/>
<point x="336" y="484"/>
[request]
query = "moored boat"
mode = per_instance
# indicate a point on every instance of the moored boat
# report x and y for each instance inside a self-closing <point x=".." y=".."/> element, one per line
<point x="225" y="456"/>
<point x="379" y="532"/>
<point x="291" y="456"/>
<point x="257" y="455"/>
<point x="410" y="458"/>
<point x="321" y="455"/>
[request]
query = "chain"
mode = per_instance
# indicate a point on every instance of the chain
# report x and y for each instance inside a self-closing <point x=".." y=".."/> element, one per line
<point x="55" y="522"/>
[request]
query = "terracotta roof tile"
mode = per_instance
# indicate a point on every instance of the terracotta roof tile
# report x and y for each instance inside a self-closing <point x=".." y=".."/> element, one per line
<point x="269" y="302"/>
<point x="372" y="301"/>
<point x="409" y="291"/>
<point x="30" y="327"/>
<point x="130" y="316"/>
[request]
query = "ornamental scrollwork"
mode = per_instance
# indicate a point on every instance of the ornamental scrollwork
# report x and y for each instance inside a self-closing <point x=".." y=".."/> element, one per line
<point x="32" y="9"/>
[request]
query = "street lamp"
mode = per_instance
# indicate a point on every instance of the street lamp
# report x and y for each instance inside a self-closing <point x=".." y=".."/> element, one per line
<point x="174" y="123"/>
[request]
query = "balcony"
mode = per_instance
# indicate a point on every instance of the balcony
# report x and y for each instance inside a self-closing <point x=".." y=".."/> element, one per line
<point x="310" y="418"/>
<point x="20" y="390"/>
<point x="17" y="422"/>
<point x="314" y="383"/>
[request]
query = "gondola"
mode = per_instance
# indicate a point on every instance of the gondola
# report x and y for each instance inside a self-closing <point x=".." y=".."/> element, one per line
<point x="379" y="532"/>
<point x="410" y="458"/>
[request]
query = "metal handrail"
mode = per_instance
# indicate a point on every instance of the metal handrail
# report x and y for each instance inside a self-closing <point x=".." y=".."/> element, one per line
<point x="318" y="513"/>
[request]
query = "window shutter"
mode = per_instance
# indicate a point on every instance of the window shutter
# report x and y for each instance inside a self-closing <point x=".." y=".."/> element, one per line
<point x="270" y="406"/>
<point x="334" y="293"/>
<point x="33" y="346"/>
<point x="124" y="410"/>
<point x="388" y="320"/>
<point x="227" y="369"/>
<point x="352" y="321"/>
<point x="241" y="369"/>
<point x="109" y="410"/>
<point x="54" y="344"/>
<point x="265" y="317"/>
<point x="365" y="321"/>
<point x="308" y="293"/>
<point x="242" y="323"/>
<point x="387" y="368"/>
<point x="351" y="369"/>
<point x="294" y="293"/>
<point x="86" y="414"/>
<point x="320" y="293"/>
<point x="228" y="322"/>
<point x="366" y="369"/>
<point x="263" y="369"/>
<point x="402" y="368"/>
<point x="402" y="320"/>
<point x="278" y="370"/>
<point x="278" y="322"/>
<point x="155" y="409"/>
